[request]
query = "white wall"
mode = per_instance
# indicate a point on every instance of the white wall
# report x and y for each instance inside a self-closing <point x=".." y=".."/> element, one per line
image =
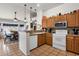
<point x="64" y="8"/>
<point x="8" y="11"/>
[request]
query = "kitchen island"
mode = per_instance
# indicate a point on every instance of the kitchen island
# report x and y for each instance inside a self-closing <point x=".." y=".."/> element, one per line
<point x="24" y="45"/>
<point x="28" y="40"/>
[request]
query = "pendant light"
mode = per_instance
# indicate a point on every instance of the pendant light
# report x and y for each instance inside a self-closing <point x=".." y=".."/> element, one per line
<point x="15" y="19"/>
<point x="35" y="17"/>
<point x="25" y="13"/>
<point x="30" y="13"/>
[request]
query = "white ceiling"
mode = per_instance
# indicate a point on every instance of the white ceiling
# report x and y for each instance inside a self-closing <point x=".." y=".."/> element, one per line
<point x="43" y="6"/>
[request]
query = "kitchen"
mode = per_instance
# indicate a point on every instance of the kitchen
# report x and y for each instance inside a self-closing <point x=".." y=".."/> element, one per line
<point x="55" y="33"/>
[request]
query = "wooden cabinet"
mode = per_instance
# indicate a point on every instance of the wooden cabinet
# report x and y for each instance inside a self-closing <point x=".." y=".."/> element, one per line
<point x="73" y="43"/>
<point x="41" y="39"/>
<point x="50" y="22"/>
<point x="45" y="38"/>
<point x="63" y="17"/>
<point x="60" y="18"/>
<point x="77" y="18"/>
<point x="70" y="43"/>
<point x="53" y="21"/>
<point x="49" y="39"/>
<point x="77" y="44"/>
<point x="71" y="20"/>
<point x="44" y="22"/>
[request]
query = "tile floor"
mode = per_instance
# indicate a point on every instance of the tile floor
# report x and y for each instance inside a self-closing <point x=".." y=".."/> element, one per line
<point x="46" y="50"/>
<point x="12" y="49"/>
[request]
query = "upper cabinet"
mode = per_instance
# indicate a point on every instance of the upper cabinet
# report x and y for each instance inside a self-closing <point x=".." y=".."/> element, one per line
<point x="63" y="17"/>
<point x="53" y="21"/>
<point x="50" y="22"/>
<point x="77" y="18"/>
<point x="71" y="20"/>
<point x="60" y="18"/>
<point x="44" y="21"/>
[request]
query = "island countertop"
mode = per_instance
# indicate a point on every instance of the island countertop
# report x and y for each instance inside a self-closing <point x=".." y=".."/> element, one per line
<point x="36" y="33"/>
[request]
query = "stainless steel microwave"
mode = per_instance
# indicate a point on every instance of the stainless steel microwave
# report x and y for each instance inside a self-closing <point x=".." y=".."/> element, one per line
<point x="61" y="24"/>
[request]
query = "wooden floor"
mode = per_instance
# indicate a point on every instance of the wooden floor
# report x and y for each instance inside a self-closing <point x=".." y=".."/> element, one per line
<point x="9" y="49"/>
<point x="12" y="49"/>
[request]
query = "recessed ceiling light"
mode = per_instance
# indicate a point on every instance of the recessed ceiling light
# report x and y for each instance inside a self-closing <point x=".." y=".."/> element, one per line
<point x="38" y="5"/>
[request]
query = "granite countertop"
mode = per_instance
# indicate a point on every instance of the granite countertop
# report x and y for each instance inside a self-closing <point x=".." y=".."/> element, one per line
<point x="36" y="33"/>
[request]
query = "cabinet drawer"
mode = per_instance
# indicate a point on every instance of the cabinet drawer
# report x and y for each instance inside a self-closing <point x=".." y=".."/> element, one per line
<point x="70" y="37"/>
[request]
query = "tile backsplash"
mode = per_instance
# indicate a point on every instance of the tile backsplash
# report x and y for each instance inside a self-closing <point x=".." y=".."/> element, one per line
<point x="70" y="30"/>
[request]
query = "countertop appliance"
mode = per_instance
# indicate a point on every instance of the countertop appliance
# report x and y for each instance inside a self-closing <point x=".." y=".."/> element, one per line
<point x="61" y="24"/>
<point x="59" y="39"/>
<point x="75" y="31"/>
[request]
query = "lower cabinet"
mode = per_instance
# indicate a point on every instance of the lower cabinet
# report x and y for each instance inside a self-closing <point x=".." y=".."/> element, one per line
<point x="41" y="39"/>
<point x="77" y="44"/>
<point x="33" y="42"/>
<point x="70" y="43"/>
<point x="73" y="44"/>
<point x="49" y="39"/>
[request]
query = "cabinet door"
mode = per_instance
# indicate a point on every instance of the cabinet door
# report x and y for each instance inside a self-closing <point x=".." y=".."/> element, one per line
<point x="60" y="18"/>
<point x="71" y="20"/>
<point x="63" y="18"/>
<point x="49" y="23"/>
<point x="53" y="21"/>
<point x="44" y="20"/>
<point x="41" y="39"/>
<point x="33" y="42"/>
<point x="77" y="44"/>
<point x="56" y="18"/>
<point x="77" y="18"/>
<point x="49" y="39"/>
<point x="70" y="44"/>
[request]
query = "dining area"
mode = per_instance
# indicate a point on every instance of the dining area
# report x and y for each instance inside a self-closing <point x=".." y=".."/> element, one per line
<point x="10" y="36"/>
